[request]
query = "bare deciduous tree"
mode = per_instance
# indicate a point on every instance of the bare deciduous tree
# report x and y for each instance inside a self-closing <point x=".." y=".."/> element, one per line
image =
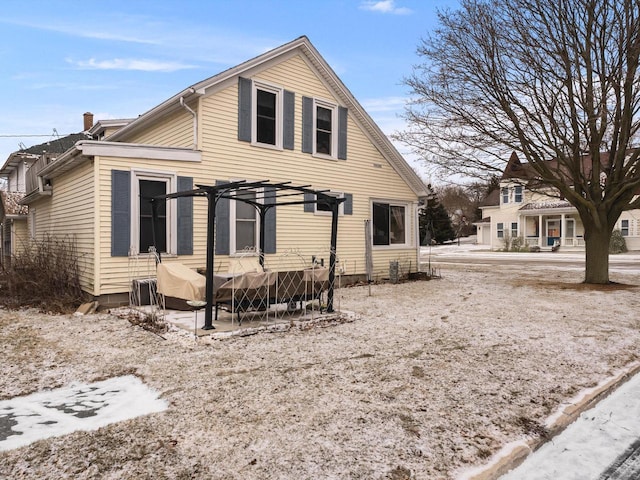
<point x="558" y="82"/>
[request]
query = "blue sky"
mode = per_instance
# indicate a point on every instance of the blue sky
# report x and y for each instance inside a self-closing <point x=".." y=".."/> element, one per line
<point x="118" y="59"/>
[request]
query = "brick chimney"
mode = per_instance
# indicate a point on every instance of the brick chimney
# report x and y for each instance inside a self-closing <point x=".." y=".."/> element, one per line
<point x="88" y="120"/>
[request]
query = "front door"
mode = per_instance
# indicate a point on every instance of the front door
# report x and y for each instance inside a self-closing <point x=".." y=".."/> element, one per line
<point x="553" y="231"/>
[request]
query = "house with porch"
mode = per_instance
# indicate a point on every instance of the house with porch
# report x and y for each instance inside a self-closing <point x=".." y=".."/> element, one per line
<point x="540" y="219"/>
<point x="282" y="118"/>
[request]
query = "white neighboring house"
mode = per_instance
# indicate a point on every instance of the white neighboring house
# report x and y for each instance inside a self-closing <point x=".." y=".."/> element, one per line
<point x="19" y="178"/>
<point x="541" y="220"/>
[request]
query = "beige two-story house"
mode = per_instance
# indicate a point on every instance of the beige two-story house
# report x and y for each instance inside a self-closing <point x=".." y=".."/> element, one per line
<point x="282" y="117"/>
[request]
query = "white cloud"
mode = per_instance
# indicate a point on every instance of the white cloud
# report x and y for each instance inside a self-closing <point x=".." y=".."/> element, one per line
<point x="88" y="30"/>
<point x="385" y="104"/>
<point x="385" y="6"/>
<point x="144" y="65"/>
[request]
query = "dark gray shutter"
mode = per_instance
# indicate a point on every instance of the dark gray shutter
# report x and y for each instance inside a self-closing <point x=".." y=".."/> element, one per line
<point x="222" y="224"/>
<point x="307" y="125"/>
<point x="270" y="221"/>
<point x="185" y="217"/>
<point x="309" y="207"/>
<point x="342" y="133"/>
<point x="120" y="213"/>
<point x="244" y="109"/>
<point x="289" y="120"/>
<point x="348" y="204"/>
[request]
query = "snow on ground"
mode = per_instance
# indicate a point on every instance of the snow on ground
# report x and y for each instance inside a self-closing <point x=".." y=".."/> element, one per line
<point x="432" y="378"/>
<point x="24" y="420"/>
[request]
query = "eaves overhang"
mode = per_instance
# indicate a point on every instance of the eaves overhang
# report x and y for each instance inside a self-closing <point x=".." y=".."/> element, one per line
<point x="84" y="150"/>
<point x="547" y="208"/>
<point x="14" y="160"/>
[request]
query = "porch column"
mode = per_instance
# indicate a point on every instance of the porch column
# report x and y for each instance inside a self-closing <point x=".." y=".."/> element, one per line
<point x="540" y="231"/>
<point x="563" y="228"/>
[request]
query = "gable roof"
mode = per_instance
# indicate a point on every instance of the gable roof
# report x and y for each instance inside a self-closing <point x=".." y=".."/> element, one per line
<point x="303" y="46"/>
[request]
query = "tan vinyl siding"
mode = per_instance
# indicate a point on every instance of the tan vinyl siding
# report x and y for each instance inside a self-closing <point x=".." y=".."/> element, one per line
<point x="20" y="240"/>
<point x="69" y="215"/>
<point x="176" y="130"/>
<point x="365" y="174"/>
<point x="117" y="272"/>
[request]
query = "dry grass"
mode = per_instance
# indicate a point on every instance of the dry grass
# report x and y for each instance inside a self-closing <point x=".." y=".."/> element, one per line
<point x="432" y="378"/>
<point x="45" y="275"/>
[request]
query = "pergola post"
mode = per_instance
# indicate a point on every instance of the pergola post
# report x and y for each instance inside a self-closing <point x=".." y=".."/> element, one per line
<point x="332" y="254"/>
<point x="262" y="211"/>
<point x="212" y="200"/>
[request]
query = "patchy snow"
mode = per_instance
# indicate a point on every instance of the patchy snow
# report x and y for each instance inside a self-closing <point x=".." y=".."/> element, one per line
<point x="432" y="378"/>
<point x="24" y="420"/>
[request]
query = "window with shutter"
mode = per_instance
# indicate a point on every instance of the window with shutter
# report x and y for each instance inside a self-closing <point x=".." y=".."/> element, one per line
<point x="266" y="114"/>
<point x="132" y="217"/>
<point x="324" y="128"/>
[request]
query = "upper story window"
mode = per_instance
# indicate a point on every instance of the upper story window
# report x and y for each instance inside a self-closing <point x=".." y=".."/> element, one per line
<point x="504" y="192"/>
<point x="325" y="127"/>
<point x="517" y="194"/>
<point x="266" y="114"/>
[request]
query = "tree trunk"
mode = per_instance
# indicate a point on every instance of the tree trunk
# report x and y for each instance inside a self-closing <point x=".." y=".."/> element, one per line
<point x="597" y="255"/>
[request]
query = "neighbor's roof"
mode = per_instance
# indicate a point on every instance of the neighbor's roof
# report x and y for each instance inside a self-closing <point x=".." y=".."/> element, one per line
<point x="546" y="205"/>
<point x="53" y="147"/>
<point x="492" y="199"/>
<point x="10" y="203"/>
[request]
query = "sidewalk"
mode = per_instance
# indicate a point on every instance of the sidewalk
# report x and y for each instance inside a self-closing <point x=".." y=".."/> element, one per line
<point x="602" y="444"/>
<point x="597" y="437"/>
<point x="470" y="251"/>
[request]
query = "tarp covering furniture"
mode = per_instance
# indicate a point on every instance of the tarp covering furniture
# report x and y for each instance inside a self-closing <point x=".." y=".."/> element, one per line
<point x="178" y="280"/>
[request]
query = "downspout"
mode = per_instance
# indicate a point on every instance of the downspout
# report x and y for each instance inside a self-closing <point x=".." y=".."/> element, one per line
<point x="195" y="121"/>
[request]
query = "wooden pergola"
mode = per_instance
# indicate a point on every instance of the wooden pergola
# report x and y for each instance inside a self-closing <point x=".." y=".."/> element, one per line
<point x="280" y="194"/>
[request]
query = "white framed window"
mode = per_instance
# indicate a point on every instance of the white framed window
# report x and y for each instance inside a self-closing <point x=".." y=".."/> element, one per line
<point x="500" y="229"/>
<point x="514" y="229"/>
<point x="325" y="209"/>
<point x="146" y="184"/>
<point x="517" y="194"/>
<point x="390" y="224"/>
<point x="266" y="128"/>
<point x="325" y="128"/>
<point x="244" y="234"/>
<point x="504" y="191"/>
<point x="624" y="228"/>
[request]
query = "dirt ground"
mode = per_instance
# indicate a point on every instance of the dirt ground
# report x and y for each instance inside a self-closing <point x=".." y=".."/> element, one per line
<point x="430" y="378"/>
